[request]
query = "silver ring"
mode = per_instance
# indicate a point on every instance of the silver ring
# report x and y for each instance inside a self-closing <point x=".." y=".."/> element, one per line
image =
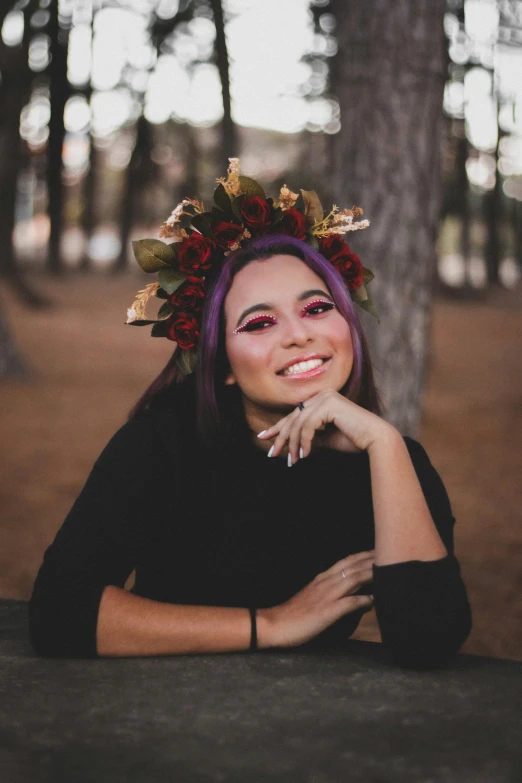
<point x="342" y="572"/>
<point x="300" y="405"/>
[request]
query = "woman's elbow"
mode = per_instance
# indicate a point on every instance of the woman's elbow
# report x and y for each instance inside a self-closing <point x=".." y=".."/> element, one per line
<point x="429" y="650"/>
<point x="50" y="635"/>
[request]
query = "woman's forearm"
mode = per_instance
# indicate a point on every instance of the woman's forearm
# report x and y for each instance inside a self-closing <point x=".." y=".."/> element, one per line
<point x="130" y="625"/>
<point x="404" y="529"/>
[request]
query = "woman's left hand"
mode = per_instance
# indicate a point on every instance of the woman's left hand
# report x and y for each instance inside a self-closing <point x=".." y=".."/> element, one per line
<point x="330" y="421"/>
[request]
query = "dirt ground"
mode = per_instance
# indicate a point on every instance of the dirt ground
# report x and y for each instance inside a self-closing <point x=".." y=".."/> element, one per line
<point x="87" y="369"/>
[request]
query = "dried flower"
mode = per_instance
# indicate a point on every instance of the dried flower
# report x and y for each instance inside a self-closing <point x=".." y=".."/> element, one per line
<point x="339" y="222"/>
<point x="137" y="311"/>
<point x="231" y="181"/>
<point x="245" y="235"/>
<point x="171" y="227"/>
<point x="287" y="199"/>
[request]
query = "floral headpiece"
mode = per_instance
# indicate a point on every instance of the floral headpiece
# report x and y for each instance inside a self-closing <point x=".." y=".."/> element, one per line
<point x="201" y="241"/>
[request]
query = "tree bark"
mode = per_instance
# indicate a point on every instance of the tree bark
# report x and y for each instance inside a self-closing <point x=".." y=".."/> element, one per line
<point x="11" y="363"/>
<point x="138" y="175"/>
<point x="59" y="89"/>
<point x="15" y="88"/>
<point x="229" y="141"/>
<point x="389" y="76"/>
<point x="492" y="205"/>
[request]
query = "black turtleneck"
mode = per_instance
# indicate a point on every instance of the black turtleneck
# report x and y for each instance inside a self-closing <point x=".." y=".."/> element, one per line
<point x="229" y="527"/>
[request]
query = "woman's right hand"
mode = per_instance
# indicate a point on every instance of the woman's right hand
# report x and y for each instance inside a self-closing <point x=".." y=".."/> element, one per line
<point x="319" y="604"/>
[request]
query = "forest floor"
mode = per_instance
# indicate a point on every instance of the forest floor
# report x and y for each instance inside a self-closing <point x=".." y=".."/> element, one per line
<point x="86" y="369"/>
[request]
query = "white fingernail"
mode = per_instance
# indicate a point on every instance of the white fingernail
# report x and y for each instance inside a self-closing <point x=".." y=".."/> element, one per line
<point x="271" y="451"/>
<point x="260" y="434"/>
<point x="301" y="453"/>
<point x="289" y="460"/>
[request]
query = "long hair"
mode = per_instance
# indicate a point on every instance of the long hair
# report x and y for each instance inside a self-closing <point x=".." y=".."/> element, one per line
<point x="212" y="362"/>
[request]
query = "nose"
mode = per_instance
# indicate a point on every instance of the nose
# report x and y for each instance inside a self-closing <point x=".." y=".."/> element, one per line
<point x="295" y="331"/>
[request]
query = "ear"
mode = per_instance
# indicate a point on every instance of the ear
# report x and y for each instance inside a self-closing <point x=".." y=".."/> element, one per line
<point x="230" y="379"/>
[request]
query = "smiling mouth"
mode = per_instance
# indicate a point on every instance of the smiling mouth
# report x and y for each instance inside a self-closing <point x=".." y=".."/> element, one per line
<point x="302" y="367"/>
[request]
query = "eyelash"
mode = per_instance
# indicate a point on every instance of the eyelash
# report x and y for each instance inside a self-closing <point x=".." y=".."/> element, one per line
<point x="263" y="319"/>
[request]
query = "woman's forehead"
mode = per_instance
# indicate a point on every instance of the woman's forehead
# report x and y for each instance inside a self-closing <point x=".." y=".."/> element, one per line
<point x="278" y="278"/>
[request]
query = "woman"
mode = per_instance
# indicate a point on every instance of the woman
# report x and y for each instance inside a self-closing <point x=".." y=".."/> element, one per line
<point x="233" y="551"/>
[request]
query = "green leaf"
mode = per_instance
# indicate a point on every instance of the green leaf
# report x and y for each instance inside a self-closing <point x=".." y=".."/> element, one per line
<point x="221" y="198"/>
<point x="313" y="209"/>
<point x="186" y="361"/>
<point x="202" y="224"/>
<point x="153" y="254"/>
<point x="277" y="216"/>
<point x="142" y="322"/>
<point x="249" y="187"/>
<point x="236" y="207"/>
<point x="367" y="275"/>
<point x="161" y="294"/>
<point x="171" y="279"/>
<point x="166" y="309"/>
<point x="360" y="294"/>
<point x="369" y="305"/>
<point x="312" y="240"/>
<point x="159" y="330"/>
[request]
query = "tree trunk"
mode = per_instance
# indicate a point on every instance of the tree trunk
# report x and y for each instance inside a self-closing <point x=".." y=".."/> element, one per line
<point x="88" y="209"/>
<point x="11" y="363"/>
<point x="59" y="94"/>
<point x="139" y="173"/>
<point x="389" y="76"/>
<point x="15" y="88"/>
<point x="229" y="141"/>
<point x="492" y="205"/>
<point x="516" y="217"/>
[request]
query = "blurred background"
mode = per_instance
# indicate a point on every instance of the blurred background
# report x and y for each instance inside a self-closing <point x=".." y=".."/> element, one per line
<point x="112" y="111"/>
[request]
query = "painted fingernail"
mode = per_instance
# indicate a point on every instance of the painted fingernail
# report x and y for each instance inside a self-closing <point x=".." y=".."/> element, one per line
<point x="271" y="451"/>
<point x="289" y="460"/>
<point x="301" y="453"/>
<point x="260" y="434"/>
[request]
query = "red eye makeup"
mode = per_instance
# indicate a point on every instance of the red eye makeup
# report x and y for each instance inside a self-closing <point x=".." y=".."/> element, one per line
<point x="317" y="304"/>
<point x="255" y="324"/>
<point x="259" y="322"/>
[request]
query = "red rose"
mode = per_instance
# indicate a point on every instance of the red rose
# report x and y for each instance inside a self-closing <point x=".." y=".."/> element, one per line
<point x="195" y="252"/>
<point x="334" y="248"/>
<point x="225" y="234"/>
<point x="257" y="214"/>
<point x="190" y="295"/>
<point x="293" y="223"/>
<point x="184" y="330"/>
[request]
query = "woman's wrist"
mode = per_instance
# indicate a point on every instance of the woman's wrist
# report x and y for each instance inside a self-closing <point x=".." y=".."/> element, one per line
<point x="266" y="636"/>
<point x="385" y="435"/>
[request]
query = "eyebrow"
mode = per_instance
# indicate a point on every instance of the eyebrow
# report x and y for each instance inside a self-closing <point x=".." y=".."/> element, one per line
<point x="268" y="306"/>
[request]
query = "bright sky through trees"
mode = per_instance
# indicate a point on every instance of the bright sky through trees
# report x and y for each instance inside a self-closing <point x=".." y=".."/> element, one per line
<point x="271" y="86"/>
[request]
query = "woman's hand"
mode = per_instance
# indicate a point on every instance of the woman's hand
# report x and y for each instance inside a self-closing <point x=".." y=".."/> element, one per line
<point x="331" y="421"/>
<point x="319" y="604"/>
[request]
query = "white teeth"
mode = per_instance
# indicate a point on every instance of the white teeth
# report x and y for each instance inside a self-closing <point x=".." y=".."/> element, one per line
<point x="303" y="366"/>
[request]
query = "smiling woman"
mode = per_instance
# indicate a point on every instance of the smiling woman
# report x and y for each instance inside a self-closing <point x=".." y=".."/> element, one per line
<point x="232" y="551"/>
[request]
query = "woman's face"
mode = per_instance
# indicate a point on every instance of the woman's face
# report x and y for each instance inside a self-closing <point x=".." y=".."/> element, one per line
<point x="285" y="338"/>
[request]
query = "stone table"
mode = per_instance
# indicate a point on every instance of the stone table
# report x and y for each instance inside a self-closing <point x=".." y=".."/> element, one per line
<point x="299" y="716"/>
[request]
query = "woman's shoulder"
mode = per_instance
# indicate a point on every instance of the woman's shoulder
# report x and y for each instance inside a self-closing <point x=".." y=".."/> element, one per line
<point x="160" y="429"/>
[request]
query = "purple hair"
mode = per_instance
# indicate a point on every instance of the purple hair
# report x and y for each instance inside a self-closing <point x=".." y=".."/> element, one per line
<point x="212" y="365"/>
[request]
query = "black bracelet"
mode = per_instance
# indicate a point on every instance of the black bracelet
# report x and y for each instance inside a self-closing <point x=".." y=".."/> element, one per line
<point x="253" y="637"/>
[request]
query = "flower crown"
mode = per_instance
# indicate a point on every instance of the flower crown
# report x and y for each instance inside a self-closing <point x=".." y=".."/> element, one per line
<point x="201" y="241"/>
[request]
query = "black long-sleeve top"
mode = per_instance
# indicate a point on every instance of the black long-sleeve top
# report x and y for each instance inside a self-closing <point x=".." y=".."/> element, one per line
<point x="226" y="526"/>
